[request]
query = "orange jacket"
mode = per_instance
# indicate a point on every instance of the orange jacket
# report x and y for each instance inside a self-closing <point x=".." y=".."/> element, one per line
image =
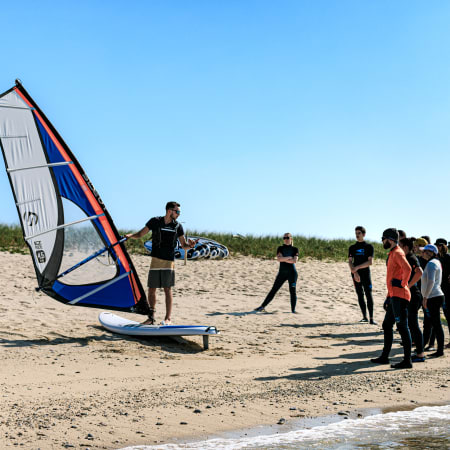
<point x="398" y="273"/>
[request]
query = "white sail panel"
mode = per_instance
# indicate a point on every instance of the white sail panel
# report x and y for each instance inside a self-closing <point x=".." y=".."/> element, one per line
<point x="31" y="180"/>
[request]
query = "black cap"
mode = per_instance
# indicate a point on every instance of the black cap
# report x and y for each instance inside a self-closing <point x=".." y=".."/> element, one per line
<point x="441" y="241"/>
<point x="390" y="233"/>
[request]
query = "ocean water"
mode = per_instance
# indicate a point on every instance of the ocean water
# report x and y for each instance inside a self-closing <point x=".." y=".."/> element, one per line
<point x="426" y="427"/>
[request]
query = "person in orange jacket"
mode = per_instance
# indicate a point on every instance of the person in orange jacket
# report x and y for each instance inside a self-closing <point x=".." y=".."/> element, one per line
<point x="397" y="301"/>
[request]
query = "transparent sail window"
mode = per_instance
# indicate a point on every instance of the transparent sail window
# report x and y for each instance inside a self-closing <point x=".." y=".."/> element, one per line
<point x="81" y="241"/>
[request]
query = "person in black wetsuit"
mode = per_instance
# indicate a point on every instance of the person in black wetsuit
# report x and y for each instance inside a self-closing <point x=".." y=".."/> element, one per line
<point x="360" y="257"/>
<point x="444" y="257"/>
<point x="416" y="298"/>
<point x="287" y="256"/>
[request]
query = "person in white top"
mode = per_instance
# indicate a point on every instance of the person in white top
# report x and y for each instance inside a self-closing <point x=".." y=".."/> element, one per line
<point x="433" y="297"/>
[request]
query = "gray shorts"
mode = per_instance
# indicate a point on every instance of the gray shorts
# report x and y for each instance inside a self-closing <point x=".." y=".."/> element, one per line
<point x="161" y="278"/>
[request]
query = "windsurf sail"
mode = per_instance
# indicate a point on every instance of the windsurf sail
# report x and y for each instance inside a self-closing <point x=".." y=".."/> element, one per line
<point x="78" y="254"/>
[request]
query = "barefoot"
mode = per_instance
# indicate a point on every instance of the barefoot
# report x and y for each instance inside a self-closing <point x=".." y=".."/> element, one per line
<point x="148" y="322"/>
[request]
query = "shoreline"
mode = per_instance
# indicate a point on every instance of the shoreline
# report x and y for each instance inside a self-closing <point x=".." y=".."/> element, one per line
<point x="66" y="382"/>
<point x="300" y="424"/>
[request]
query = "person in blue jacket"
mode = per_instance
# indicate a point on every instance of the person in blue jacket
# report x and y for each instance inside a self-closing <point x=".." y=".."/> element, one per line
<point x="287" y="256"/>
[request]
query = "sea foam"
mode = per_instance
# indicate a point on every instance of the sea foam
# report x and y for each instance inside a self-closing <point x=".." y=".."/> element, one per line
<point x="385" y="430"/>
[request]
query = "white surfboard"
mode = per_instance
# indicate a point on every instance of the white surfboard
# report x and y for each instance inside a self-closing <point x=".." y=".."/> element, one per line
<point x="120" y="325"/>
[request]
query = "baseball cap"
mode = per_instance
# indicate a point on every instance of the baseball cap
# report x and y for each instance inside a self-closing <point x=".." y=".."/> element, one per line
<point x="431" y="248"/>
<point x="420" y="242"/>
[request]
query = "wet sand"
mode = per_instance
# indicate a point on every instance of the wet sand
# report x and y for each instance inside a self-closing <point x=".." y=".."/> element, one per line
<point x="66" y="382"/>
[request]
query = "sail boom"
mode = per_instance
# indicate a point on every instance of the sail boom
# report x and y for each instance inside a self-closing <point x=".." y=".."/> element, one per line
<point x="27" y="238"/>
<point x="13" y="137"/>
<point x="17" y="107"/>
<point x="89" y="258"/>
<point x="40" y="166"/>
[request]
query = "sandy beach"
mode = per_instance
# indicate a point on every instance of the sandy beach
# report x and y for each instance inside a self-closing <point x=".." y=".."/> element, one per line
<point x="68" y="383"/>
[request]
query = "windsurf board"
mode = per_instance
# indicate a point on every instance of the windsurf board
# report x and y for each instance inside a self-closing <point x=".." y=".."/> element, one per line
<point x="120" y="325"/>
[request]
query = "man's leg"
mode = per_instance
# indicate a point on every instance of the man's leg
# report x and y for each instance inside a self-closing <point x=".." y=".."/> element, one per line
<point x="388" y="324"/>
<point x="152" y="306"/>
<point x="413" y="322"/>
<point x="152" y="298"/>
<point x="169" y="302"/>
<point x="360" y="294"/>
<point x="367" y="285"/>
<point x="400" y="308"/>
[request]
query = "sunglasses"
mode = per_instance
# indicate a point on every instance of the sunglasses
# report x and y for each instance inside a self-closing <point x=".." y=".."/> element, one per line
<point x="286" y="237"/>
<point x="176" y="211"/>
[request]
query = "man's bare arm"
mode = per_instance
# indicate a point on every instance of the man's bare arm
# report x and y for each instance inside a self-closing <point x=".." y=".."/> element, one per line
<point x="138" y="234"/>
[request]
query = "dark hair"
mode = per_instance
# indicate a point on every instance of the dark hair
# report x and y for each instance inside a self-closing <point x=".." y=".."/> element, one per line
<point x="427" y="238"/>
<point x="171" y="205"/>
<point x="443" y="249"/>
<point x="405" y="242"/>
<point x="360" y="228"/>
<point x="401" y="234"/>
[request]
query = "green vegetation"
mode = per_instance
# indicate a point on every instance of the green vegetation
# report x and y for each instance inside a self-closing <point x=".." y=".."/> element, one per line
<point x="266" y="246"/>
<point x="11" y="240"/>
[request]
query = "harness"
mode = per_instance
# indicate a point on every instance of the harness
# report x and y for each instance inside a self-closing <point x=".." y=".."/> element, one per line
<point x="156" y="233"/>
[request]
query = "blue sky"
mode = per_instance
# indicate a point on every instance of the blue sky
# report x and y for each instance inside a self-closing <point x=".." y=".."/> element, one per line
<point x="259" y="117"/>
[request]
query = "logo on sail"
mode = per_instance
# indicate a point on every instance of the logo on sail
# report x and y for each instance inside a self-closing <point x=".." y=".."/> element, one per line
<point x="94" y="191"/>
<point x="40" y="254"/>
<point x="30" y="218"/>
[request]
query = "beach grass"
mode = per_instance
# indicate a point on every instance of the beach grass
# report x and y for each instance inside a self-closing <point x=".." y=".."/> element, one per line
<point x="11" y="240"/>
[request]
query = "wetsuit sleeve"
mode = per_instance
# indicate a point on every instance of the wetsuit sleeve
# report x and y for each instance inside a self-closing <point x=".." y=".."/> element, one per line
<point x="350" y="251"/>
<point x="406" y="269"/>
<point x="414" y="264"/>
<point x="279" y="250"/>
<point x="295" y="252"/>
<point x="370" y="251"/>
<point x="180" y="231"/>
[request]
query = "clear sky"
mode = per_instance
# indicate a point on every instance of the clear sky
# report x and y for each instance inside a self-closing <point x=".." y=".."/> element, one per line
<point x="259" y="117"/>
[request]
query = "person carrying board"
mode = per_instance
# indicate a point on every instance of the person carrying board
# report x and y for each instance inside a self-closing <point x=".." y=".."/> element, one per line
<point x="165" y="233"/>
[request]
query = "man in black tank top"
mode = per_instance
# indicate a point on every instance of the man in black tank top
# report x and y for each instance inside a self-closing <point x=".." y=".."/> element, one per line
<point x="165" y="233"/>
<point x="360" y="257"/>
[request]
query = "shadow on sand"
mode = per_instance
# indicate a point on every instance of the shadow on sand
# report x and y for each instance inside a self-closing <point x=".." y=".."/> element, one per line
<point x="327" y="370"/>
<point x="175" y="344"/>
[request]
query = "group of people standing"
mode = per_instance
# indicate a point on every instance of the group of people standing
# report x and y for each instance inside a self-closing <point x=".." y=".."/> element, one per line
<point x="418" y="276"/>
